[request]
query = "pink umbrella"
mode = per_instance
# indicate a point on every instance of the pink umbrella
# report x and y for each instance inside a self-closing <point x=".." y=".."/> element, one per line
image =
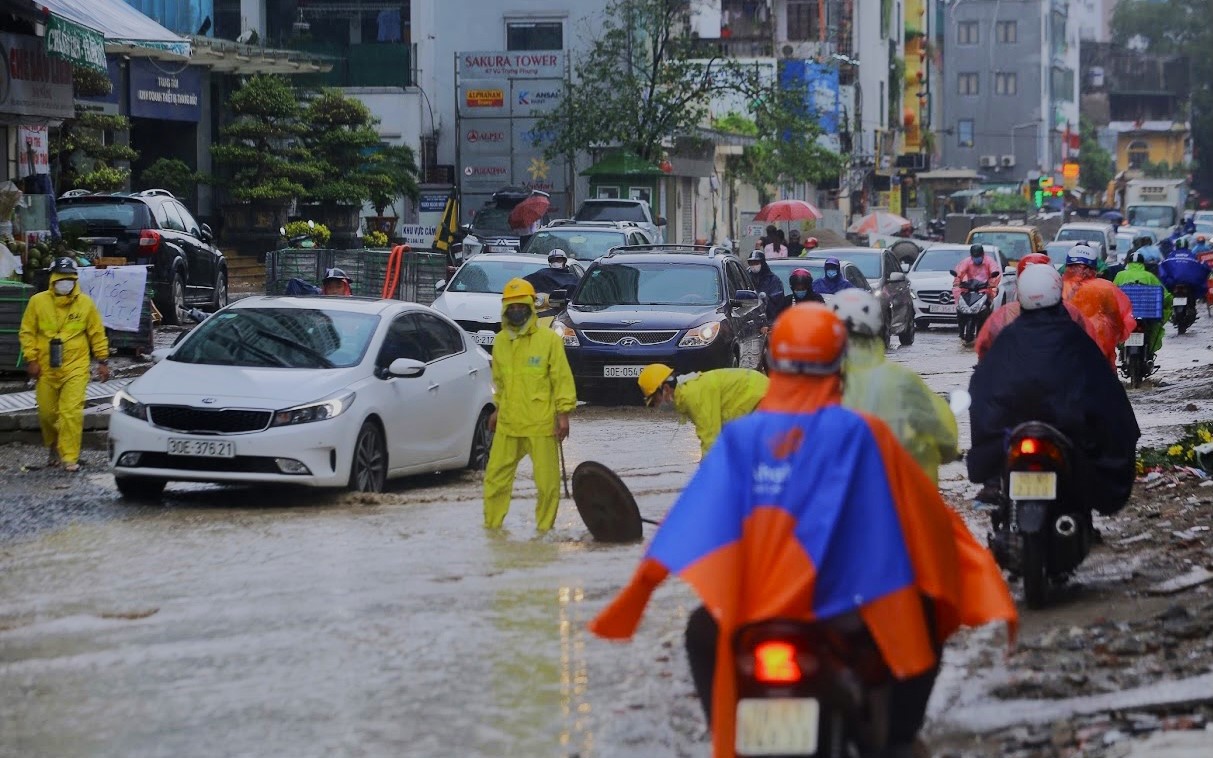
<point x="787" y="210"/>
<point x="880" y="222"/>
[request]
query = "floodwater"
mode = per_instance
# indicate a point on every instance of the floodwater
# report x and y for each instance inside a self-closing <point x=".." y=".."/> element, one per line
<point x="254" y="622"/>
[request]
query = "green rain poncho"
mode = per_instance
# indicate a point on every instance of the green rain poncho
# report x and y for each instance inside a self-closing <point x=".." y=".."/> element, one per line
<point x="1136" y="273"/>
<point x="921" y="419"/>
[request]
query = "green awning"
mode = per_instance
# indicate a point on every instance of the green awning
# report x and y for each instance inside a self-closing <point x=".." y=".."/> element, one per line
<point x="75" y="43"/>
<point x="623" y="164"/>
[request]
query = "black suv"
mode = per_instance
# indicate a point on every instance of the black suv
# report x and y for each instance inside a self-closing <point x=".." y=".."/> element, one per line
<point x="691" y="307"/>
<point x="153" y="228"/>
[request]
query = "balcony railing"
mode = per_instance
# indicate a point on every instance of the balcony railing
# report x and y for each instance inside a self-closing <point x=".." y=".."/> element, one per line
<point x="369" y="64"/>
<point x="736" y="47"/>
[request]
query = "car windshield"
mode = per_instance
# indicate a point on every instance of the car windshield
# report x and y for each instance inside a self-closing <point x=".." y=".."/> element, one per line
<point x="650" y="284"/>
<point x="582" y="245"/>
<point x="1014" y="245"/>
<point x="608" y="211"/>
<point x="1057" y="251"/>
<point x="1081" y="235"/>
<point x="303" y="338"/>
<point x="488" y="275"/>
<point x="492" y="221"/>
<point x="868" y="262"/>
<point x="108" y="215"/>
<point x="944" y="259"/>
<point x="1151" y="215"/>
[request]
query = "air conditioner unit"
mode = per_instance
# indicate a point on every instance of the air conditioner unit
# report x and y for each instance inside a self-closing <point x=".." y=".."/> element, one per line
<point x="987" y="161"/>
<point x="1007" y="161"/>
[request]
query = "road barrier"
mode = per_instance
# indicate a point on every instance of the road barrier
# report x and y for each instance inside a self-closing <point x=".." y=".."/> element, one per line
<point x="367" y="268"/>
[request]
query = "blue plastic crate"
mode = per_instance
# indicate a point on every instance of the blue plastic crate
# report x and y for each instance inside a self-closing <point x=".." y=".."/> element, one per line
<point x="1146" y="300"/>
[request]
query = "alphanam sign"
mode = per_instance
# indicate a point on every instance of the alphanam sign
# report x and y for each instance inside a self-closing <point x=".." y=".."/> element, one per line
<point x="485" y="98"/>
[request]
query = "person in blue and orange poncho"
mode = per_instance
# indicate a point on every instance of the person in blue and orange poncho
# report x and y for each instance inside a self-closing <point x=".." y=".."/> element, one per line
<point x="858" y="528"/>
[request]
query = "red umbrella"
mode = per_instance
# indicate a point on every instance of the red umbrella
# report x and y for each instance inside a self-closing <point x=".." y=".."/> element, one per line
<point x="880" y="223"/>
<point x="529" y="211"/>
<point x="787" y="210"/>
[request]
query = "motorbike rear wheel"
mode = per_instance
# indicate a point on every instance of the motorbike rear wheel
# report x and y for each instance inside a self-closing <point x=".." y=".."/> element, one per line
<point x="1136" y="370"/>
<point x="1035" y="578"/>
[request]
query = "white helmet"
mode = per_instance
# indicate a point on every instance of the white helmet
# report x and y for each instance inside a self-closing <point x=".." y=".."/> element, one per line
<point x="1039" y="287"/>
<point x="859" y="310"/>
<point x="1083" y="255"/>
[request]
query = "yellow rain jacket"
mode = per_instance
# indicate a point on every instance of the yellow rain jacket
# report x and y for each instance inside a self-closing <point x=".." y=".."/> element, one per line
<point x="921" y="419"/>
<point x="75" y="320"/>
<point x="714" y="398"/>
<point x="534" y="383"/>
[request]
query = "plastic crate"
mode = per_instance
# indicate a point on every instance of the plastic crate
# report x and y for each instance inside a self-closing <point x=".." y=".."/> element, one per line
<point x="1146" y="300"/>
<point x="366" y="268"/>
<point x="11" y="360"/>
<point x="13" y="298"/>
<point x="281" y="266"/>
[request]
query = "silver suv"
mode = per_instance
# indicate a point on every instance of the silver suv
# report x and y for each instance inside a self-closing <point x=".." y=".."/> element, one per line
<point x="586" y="240"/>
<point x="619" y="209"/>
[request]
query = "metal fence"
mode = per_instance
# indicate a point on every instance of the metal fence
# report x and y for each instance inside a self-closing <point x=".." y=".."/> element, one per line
<point x="367" y="268"/>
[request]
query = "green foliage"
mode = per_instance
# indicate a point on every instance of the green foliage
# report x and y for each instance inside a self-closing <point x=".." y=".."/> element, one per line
<point x="89" y="82"/>
<point x="1096" y="167"/>
<point x="374" y="238"/>
<point x="170" y="174"/>
<point x="82" y="152"/>
<point x="897" y="75"/>
<point x="318" y="232"/>
<point x="735" y="123"/>
<point x="1165" y="170"/>
<point x="393" y="172"/>
<point x="1002" y="202"/>
<point x="103" y="179"/>
<point x="641" y="82"/>
<point x="1179" y="453"/>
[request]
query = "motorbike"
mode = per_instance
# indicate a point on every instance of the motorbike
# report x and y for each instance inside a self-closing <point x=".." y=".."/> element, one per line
<point x="1137" y="354"/>
<point x="1042" y="528"/>
<point x="972" y="309"/>
<point x="1183" y="308"/>
<point x="304" y="240"/>
<point x="809" y="689"/>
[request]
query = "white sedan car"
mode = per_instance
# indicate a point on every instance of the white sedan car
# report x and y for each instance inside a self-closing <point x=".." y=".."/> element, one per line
<point x="320" y="391"/>
<point x="931" y="282"/>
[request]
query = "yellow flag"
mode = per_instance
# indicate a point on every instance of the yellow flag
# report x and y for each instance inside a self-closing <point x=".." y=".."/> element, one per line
<point x="445" y="236"/>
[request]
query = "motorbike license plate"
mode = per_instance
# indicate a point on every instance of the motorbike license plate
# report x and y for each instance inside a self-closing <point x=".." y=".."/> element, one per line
<point x="1136" y="339"/>
<point x="202" y="448"/>
<point x="945" y="308"/>
<point x="483" y="338"/>
<point x="777" y="726"/>
<point x="1180" y="301"/>
<point x="621" y="372"/>
<point x="1033" y="485"/>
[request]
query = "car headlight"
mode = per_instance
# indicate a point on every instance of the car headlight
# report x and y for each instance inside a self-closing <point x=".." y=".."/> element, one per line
<point x="913" y="294"/>
<point x="566" y="333"/>
<point x="127" y="405"/>
<point x="321" y="410"/>
<point x="701" y="335"/>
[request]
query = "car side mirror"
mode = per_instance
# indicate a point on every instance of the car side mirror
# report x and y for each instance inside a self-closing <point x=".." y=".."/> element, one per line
<point x="745" y="295"/>
<point x="897" y="276"/>
<point x="659" y="221"/>
<point x="440" y="285"/>
<point x="206" y="233"/>
<point x="406" y="368"/>
<point x="465" y="228"/>
<point x="952" y="272"/>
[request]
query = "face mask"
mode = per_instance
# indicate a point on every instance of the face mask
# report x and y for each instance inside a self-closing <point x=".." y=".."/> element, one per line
<point x="517" y="316"/>
<point x="800" y="293"/>
<point x="978" y="258"/>
<point x="755" y="269"/>
<point x="64" y="286"/>
<point x="556" y="265"/>
<point x="831" y="273"/>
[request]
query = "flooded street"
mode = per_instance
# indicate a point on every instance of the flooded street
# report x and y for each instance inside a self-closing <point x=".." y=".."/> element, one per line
<point x="259" y="622"/>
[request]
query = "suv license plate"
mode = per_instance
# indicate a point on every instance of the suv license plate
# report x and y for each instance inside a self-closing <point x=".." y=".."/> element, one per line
<point x="1033" y="485"/>
<point x="1136" y="339"/>
<point x="202" y="448"/>
<point x="621" y="372"/>
<point x="778" y="726"/>
<point x="943" y="309"/>
<point x="1180" y="301"/>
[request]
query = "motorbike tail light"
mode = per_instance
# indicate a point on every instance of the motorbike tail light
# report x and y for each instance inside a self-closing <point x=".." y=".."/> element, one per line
<point x="1037" y="449"/>
<point x="149" y="241"/>
<point x="775" y="663"/>
<point x="1028" y="446"/>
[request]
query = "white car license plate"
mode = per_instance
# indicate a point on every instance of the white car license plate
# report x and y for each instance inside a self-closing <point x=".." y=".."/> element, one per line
<point x="1136" y="339"/>
<point x="483" y="338"/>
<point x="1180" y="301"/>
<point x="944" y="308"/>
<point x="621" y="372"/>
<point x="202" y="448"/>
<point x="778" y="726"/>
<point x="1033" y="485"/>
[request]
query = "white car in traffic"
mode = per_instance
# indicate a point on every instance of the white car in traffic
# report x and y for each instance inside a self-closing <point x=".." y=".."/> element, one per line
<point x="931" y="282"/>
<point x="319" y="391"/>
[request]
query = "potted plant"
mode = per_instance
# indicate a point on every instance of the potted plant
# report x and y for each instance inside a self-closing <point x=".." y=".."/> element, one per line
<point x="393" y="174"/>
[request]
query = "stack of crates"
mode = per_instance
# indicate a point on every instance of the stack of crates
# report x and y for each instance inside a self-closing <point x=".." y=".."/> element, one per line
<point x="366" y="268"/>
<point x="14" y="296"/>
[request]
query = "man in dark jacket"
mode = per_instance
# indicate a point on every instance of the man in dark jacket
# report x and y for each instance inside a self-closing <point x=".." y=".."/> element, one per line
<point x="557" y="276"/>
<point x="768" y="284"/>
<point x="1044" y="367"/>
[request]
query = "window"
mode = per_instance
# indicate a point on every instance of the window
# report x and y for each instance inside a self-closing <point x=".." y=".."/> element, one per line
<point x="964" y="132"/>
<point x="967" y="33"/>
<point x="1139" y="154"/>
<point x="803" y="18"/>
<point x="1006" y="83"/>
<point x="736" y="277"/>
<point x="967" y="84"/>
<point x="440" y="338"/>
<point x="1006" y="32"/>
<point x="191" y="225"/>
<point x="404" y="339"/>
<point x="854" y="277"/>
<point x="534" y="35"/>
<point x="170" y="218"/>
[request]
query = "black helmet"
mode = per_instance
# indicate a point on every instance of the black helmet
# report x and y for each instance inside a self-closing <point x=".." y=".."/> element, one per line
<point x="1181" y="243"/>
<point x="64" y="265"/>
<point x="757" y="256"/>
<point x="1141" y="241"/>
<point x="976" y="250"/>
<point x="802" y="277"/>
<point x="1136" y="257"/>
<point x="335" y="274"/>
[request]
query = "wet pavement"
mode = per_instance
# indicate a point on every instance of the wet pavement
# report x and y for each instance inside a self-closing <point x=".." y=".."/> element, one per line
<point x="269" y="621"/>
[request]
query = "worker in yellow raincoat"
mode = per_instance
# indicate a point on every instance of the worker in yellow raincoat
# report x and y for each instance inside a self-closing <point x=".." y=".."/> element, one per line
<point x="709" y="399"/>
<point x="535" y="395"/>
<point x="921" y="419"/>
<point x="61" y="328"/>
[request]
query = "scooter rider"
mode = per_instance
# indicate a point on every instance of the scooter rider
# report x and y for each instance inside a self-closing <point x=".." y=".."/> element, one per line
<point x="709" y="399"/>
<point x="1135" y="273"/>
<point x="1103" y="303"/>
<point x="769" y="284"/>
<point x="977" y="267"/>
<point x="801" y="282"/>
<point x="833" y="281"/>
<point x="885" y="550"/>
<point x="557" y="276"/>
<point x="1044" y="368"/>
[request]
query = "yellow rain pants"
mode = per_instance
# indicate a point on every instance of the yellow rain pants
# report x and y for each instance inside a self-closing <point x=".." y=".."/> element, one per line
<point x="504" y="456"/>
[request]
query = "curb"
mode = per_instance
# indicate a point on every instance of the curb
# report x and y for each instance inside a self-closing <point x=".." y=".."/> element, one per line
<point x="24" y="427"/>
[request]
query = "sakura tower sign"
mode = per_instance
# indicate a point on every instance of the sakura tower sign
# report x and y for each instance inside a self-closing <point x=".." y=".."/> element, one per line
<point x="501" y="96"/>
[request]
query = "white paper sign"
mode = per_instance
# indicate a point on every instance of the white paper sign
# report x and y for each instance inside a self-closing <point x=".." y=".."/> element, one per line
<point x="118" y="292"/>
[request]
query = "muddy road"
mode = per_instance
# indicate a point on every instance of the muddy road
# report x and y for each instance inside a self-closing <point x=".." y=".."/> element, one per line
<point x="269" y="622"/>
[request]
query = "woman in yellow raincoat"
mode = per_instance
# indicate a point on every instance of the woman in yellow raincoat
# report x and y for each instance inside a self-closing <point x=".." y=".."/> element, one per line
<point x="61" y="328"/>
<point x="709" y="399"/>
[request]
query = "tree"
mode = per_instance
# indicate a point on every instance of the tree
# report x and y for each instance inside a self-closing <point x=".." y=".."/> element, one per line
<point x="1184" y="27"/>
<point x="340" y="134"/>
<point x="395" y="171"/>
<point x="641" y="82"/>
<point x="1096" y="166"/>
<point x="83" y="155"/>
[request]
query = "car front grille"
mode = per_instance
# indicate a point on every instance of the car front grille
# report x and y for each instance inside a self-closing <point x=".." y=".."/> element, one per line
<point x="479" y="326"/>
<point x="935" y="297"/>
<point x="625" y="337"/>
<point x="182" y="418"/>
<point x="241" y="464"/>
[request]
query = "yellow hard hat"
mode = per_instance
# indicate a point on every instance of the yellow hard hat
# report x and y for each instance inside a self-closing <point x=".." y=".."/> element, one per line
<point x="518" y="290"/>
<point x="652" y="377"/>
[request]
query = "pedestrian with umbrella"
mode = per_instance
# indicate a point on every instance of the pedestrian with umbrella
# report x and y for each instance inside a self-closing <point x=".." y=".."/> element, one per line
<point x="526" y="217"/>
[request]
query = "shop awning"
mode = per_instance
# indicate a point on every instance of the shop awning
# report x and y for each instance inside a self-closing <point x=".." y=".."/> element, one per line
<point x="123" y="29"/>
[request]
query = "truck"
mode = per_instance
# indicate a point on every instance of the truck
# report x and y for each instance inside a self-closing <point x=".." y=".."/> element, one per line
<point x="1155" y="203"/>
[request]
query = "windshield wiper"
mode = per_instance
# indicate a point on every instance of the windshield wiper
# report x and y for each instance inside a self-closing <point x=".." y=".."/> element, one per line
<point x="305" y="349"/>
<point x="264" y="355"/>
